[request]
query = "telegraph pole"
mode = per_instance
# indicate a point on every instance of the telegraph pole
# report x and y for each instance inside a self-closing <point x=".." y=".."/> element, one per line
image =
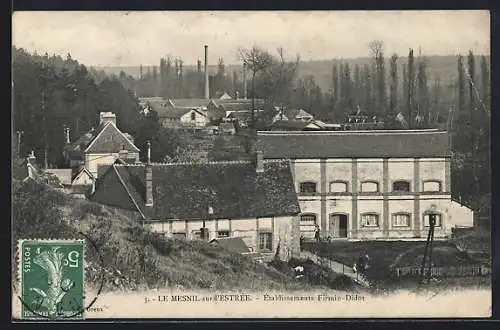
<point x="427" y="260"/>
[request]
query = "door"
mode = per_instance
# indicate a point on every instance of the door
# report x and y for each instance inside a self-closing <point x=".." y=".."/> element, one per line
<point x="338" y="225"/>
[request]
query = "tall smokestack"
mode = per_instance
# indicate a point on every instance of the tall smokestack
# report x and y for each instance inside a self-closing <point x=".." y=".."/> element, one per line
<point x="206" y="73"/>
<point x="245" y="80"/>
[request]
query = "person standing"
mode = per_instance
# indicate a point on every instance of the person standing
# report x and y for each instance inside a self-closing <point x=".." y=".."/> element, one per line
<point x="316" y="233"/>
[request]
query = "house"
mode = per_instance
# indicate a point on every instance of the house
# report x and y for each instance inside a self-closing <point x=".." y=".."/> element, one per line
<point x="380" y="184"/>
<point x="62" y="175"/>
<point x="292" y="114"/>
<point x="252" y="200"/>
<point x="243" y="118"/>
<point x="101" y="146"/>
<point x="183" y="116"/>
<point x="82" y="182"/>
<point x="27" y="169"/>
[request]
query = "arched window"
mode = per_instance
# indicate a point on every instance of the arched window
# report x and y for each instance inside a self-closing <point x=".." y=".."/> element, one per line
<point x="308" y="187"/>
<point x="401" y="186"/>
<point x="437" y="217"/>
<point x="369" y="220"/>
<point x="369" y="186"/>
<point x="338" y="187"/>
<point x="401" y="219"/>
<point x="432" y="186"/>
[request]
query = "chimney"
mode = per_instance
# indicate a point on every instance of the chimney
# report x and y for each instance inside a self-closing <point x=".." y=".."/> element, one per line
<point x="105" y="117"/>
<point x="206" y="73"/>
<point x="259" y="161"/>
<point x="244" y="80"/>
<point x="149" y="184"/>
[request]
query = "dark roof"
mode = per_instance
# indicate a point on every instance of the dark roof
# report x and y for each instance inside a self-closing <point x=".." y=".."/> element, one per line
<point x="296" y="124"/>
<point x="110" y="139"/>
<point x="233" y="244"/>
<point x="186" y="190"/>
<point x="348" y="144"/>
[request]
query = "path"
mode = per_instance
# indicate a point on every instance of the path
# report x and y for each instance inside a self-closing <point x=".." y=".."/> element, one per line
<point x="337" y="267"/>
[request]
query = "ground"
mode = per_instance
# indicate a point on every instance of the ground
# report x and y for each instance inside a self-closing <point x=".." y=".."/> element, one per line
<point x="466" y="248"/>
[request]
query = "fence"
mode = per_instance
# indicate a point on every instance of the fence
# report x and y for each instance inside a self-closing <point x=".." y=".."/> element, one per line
<point x="450" y="271"/>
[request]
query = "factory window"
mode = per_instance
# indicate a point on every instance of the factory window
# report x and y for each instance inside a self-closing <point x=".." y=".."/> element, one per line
<point x="265" y="241"/>
<point x="369" y="220"/>
<point x="401" y="186"/>
<point x="223" y="233"/>
<point x="369" y="186"/>
<point x="308" y="187"/>
<point x="307" y="219"/>
<point x="401" y="219"/>
<point x="437" y="217"/>
<point x="432" y="185"/>
<point x="338" y="186"/>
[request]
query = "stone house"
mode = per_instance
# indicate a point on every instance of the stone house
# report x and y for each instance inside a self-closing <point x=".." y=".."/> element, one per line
<point x="370" y="184"/>
<point x="254" y="201"/>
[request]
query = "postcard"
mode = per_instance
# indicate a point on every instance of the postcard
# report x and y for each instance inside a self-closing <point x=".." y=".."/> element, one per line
<point x="267" y="164"/>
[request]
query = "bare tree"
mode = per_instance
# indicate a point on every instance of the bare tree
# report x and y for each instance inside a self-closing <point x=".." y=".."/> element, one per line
<point x="377" y="50"/>
<point x="257" y="60"/>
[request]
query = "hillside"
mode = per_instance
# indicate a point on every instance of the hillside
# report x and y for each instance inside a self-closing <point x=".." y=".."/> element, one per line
<point x="135" y="259"/>
<point x="444" y="67"/>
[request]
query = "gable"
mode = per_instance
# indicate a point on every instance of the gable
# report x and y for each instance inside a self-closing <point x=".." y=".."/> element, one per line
<point x="110" y="191"/>
<point x="110" y="140"/>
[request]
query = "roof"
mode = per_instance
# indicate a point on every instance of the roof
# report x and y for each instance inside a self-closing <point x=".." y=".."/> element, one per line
<point x="189" y="103"/>
<point x="233" y="244"/>
<point x="110" y="139"/>
<point x="226" y="126"/>
<point x="185" y="190"/>
<point x="349" y="144"/>
<point x="63" y="174"/>
<point x="103" y="139"/>
<point x="294" y="113"/>
<point x="296" y="124"/>
<point x="176" y="112"/>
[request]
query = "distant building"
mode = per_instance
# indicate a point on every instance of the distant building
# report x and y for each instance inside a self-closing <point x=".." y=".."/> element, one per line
<point x="294" y="125"/>
<point x="183" y="116"/>
<point x="292" y="114"/>
<point x="363" y="185"/>
<point x="253" y="201"/>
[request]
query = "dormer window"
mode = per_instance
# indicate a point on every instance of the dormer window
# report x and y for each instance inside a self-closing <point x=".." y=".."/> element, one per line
<point x="308" y="187"/>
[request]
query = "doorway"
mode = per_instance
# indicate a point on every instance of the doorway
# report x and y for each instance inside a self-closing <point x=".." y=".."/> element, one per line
<point x="338" y="225"/>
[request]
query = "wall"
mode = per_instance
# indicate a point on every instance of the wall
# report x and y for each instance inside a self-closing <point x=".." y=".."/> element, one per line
<point x="282" y="229"/>
<point x="386" y="202"/>
<point x="83" y="179"/>
<point x="92" y="161"/>
<point x="199" y="121"/>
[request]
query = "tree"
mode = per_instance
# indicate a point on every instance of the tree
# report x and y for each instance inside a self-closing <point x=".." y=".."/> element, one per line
<point x="393" y="103"/>
<point x="485" y="83"/>
<point x="411" y="87"/>
<point x="256" y="60"/>
<point x="423" y="93"/>
<point x="377" y="50"/>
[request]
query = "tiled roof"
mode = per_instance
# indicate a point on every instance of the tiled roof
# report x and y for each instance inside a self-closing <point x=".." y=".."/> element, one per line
<point x="186" y="190"/>
<point x="176" y="112"/>
<point x="233" y="244"/>
<point x="291" y="124"/>
<point x="348" y="144"/>
<point x="110" y="139"/>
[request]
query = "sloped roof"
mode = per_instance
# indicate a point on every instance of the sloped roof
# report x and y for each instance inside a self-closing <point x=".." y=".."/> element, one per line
<point x="110" y="139"/>
<point x="186" y="190"/>
<point x="290" y="124"/>
<point x="354" y="144"/>
<point x="233" y="244"/>
<point x="178" y="112"/>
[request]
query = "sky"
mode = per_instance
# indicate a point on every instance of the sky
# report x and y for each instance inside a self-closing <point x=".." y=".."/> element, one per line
<point x="134" y="38"/>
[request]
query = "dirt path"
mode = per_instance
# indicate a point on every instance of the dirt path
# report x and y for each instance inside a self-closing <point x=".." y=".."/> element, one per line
<point x="337" y="267"/>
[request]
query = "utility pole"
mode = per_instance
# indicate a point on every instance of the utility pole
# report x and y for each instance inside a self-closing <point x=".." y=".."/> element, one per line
<point x="427" y="260"/>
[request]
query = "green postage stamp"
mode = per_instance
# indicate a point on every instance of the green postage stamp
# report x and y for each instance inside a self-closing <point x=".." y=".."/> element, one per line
<point x="51" y="275"/>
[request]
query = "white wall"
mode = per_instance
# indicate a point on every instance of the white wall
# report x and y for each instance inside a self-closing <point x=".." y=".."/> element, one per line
<point x="92" y="161"/>
<point x="199" y="121"/>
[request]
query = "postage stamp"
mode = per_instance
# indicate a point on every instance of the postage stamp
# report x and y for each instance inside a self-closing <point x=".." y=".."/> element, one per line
<point x="51" y="275"/>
